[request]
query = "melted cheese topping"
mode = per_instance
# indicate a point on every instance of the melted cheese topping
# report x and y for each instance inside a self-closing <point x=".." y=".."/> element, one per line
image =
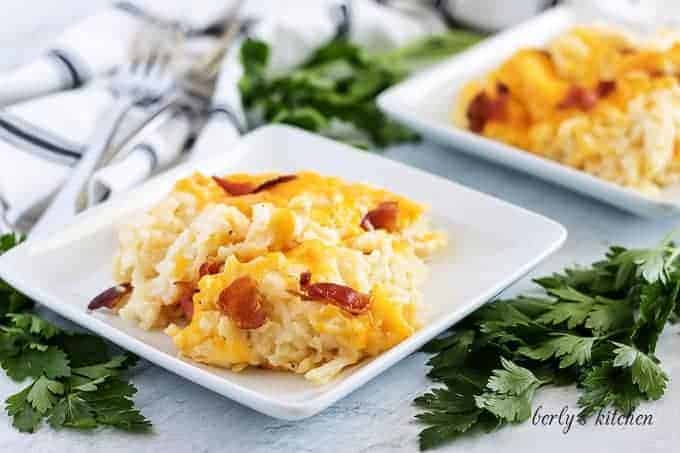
<point x="335" y="203"/>
<point x="308" y="224"/>
<point x="608" y="139"/>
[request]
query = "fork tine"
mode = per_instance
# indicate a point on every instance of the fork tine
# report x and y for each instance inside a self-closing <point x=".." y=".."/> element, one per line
<point x="159" y="60"/>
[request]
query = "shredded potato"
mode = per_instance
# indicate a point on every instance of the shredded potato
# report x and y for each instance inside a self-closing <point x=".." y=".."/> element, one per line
<point x="595" y="99"/>
<point x="279" y="244"/>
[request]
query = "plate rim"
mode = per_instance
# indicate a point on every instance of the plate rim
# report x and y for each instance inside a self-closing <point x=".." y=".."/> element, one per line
<point x="283" y="409"/>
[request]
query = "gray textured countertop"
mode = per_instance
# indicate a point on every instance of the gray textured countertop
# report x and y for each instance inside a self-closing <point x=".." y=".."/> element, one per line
<point x="378" y="417"/>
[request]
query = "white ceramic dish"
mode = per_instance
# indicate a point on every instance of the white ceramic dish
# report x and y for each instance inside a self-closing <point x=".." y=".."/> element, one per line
<point x="488" y="251"/>
<point x="424" y="103"/>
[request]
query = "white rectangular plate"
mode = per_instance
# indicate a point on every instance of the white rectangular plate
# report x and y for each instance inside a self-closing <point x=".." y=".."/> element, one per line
<point x="424" y="103"/>
<point x="492" y="244"/>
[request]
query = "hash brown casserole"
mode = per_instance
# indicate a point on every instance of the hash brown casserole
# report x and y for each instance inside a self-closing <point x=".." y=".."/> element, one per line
<point x="303" y="273"/>
<point x="596" y="98"/>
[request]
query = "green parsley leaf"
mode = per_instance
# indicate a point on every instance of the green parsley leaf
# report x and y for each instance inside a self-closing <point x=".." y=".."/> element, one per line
<point x="457" y="349"/>
<point x="512" y="379"/>
<point x="51" y="362"/>
<point x="333" y="93"/>
<point x="112" y="367"/>
<point x="606" y="385"/>
<point x="657" y="301"/>
<point x="43" y="394"/>
<point x="595" y="326"/>
<point x="77" y="383"/>
<point x="452" y="401"/>
<point x="112" y="405"/>
<point x="34" y="325"/>
<point x="573" y="314"/>
<point x="11" y="301"/>
<point x="83" y="349"/>
<point x="72" y="412"/>
<point x="608" y="315"/>
<point x="511" y="390"/>
<point x="646" y="373"/>
<point x="570" y="349"/>
<point x="24" y="417"/>
<point x="655" y="264"/>
<point x="446" y="426"/>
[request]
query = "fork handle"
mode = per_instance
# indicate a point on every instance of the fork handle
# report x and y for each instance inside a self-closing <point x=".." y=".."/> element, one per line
<point x="67" y="202"/>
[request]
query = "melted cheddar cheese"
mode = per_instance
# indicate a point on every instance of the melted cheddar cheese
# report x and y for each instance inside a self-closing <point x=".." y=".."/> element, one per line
<point x="595" y="99"/>
<point x="309" y="224"/>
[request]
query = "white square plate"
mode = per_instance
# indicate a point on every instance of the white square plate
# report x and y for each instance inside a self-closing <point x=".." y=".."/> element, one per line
<point x="424" y="103"/>
<point x="492" y="244"/>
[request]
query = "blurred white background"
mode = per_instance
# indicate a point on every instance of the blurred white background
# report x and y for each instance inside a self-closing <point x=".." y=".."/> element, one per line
<point x="30" y="24"/>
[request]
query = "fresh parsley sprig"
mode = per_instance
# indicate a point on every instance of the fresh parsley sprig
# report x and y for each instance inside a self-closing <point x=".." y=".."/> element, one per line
<point x="333" y="93"/>
<point x="76" y="381"/>
<point x="596" y="327"/>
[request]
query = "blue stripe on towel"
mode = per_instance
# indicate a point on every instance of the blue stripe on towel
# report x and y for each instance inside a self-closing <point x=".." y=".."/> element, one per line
<point x="230" y="115"/>
<point x="74" y="74"/>
<point x="33" y="139"/>
<point x="150" y="150"/>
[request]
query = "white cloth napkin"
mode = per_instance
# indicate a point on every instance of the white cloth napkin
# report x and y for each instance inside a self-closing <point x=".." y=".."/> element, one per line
<point x="151" y="152"/>
<point x="293" y="31"/>
<point x="39" y="143"/>
<point x="100" y="43"/>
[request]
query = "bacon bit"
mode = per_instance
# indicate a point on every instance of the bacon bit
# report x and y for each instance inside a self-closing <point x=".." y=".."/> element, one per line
<point x="242" y="302"/>
<point x="605" y="88"/>
<point x="210" y="267"/>
<point x="483" y="108"/>
<point x="305" y="279"/>
<point x="502" y="89"/>
<point x="186" y="298"/>
<point x="273" y="182"/>
<point x="111" y="297"/>
<point x="341" y="296"/>
<point x="236" y="188"/>
<point x="585" y="99"/>
<point x="580" y="98"/>
<point x="383" y="217"/>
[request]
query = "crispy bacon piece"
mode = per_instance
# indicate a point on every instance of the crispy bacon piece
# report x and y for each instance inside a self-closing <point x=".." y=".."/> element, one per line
<point x="273" y="182"/>
<point x="580" y="98"/>
<point x="605" y="88"/>
<point x="484" y="108"/>
<point x="383" y="217"/>
<point x="237" y="188"/>
<point x="242" y="302"/>
<point x="585" y="99"/>
<point x="186" y="298"/>
<point x="305" y="279"/>
<point x="210" y="267"/>
<point x="341" y="296"/>
<point x="110" y="297"/>
<point x="502" y="89"/>
<point x="234" y="188"/>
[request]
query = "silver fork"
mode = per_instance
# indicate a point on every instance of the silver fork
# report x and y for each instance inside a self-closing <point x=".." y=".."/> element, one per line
<point x="144" y="81"/>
